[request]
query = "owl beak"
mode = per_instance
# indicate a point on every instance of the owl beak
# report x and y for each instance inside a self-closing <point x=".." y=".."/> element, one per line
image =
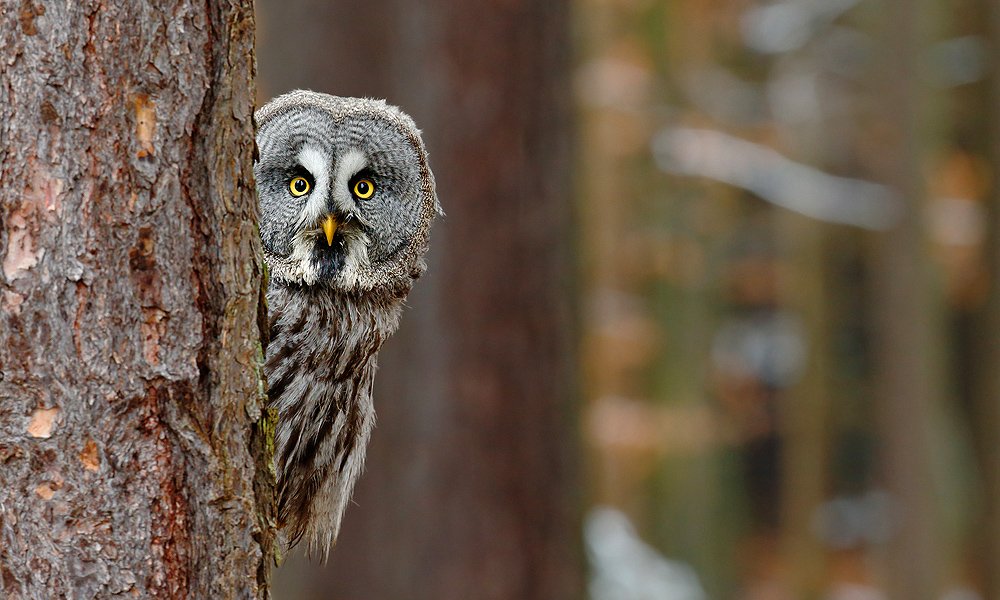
<point x="329" y="228"/>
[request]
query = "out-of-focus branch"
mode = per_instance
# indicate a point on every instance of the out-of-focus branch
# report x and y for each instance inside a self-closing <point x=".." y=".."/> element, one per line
<point x="776" y="178"/>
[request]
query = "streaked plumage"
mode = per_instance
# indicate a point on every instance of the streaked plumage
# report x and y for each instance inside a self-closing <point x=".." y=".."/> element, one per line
<point x="341" y="263"/>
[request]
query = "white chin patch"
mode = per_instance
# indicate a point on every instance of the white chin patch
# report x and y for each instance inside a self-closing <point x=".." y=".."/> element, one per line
<point x="351" y="276"/>
<point x="356" y="263"/>
<point x="301" y="259"/>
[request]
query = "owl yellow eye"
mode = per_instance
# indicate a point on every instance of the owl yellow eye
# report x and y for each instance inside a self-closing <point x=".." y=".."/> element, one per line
<point x="364" y="188"/>
<point x="299" y="186"/>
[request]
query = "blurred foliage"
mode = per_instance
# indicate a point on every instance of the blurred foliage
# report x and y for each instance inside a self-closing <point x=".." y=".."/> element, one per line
<point x="752" y="202"/>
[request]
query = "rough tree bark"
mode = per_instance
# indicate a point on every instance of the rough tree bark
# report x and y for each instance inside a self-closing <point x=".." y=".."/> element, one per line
<point x="470" y="490"/>
<point x="131" y="437"/>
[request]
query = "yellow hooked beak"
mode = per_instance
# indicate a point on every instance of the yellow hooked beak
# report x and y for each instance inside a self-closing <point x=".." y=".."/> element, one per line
<point x="329" y="228"/>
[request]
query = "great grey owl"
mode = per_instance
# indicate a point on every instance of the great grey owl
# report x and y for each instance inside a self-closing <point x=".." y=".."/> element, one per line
<point x="346" y="202"/>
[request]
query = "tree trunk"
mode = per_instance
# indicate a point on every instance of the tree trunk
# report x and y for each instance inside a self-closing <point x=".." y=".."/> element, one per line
<point x="908" y="341"/>
<point x="805" y="412"/>
<point x="986" y="327"/>
<point x="470" y="485"/>
<point x="131" y="437"/>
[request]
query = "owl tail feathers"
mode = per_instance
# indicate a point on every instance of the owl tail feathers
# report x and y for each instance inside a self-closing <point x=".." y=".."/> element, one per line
<point x="319" y="540"/>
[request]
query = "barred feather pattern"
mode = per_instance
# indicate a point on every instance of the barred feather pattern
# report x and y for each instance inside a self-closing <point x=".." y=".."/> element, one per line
<point x="320" y="366"/>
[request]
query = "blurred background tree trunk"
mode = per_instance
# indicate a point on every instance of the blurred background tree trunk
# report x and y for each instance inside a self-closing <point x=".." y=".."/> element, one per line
<point x="129" y="345"/>
<point x="985" y="323"/>
<point x="908" y="342"/>
<point x="471" y="488"/>
<point x="806" y="414"/>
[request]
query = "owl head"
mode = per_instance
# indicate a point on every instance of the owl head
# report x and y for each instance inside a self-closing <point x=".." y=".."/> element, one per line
<point x="346" y="195"/>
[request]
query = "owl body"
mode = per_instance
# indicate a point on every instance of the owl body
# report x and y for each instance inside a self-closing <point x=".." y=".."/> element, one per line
<point x="346" y="200"/>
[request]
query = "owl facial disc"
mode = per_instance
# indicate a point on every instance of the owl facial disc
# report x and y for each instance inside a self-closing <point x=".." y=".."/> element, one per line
<point x="346" y="195"/>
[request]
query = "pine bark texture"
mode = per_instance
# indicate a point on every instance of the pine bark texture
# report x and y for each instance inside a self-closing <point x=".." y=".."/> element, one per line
<point x="131" y="437"/>
<point x="471" y="483"/>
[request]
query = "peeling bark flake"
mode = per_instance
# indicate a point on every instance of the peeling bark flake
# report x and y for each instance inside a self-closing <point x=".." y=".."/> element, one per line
<point x="41" y="422"/>
<point x="89" y="458"/>
<point x="145" y="124"/>
<point x="44" y="491"/>
<point x="152" y="328"/>
<point x="42" y="200"/>
<point x="22" y="253"/>
<point x="27" y="17"/>
<point x="11" y="302"/>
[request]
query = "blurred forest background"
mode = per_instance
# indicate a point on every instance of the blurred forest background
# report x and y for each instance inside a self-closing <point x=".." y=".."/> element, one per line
<point x="715" y="311"/>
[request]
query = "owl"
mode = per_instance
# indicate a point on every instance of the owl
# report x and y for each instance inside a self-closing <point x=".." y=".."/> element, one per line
<point x="346" y="201"/>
